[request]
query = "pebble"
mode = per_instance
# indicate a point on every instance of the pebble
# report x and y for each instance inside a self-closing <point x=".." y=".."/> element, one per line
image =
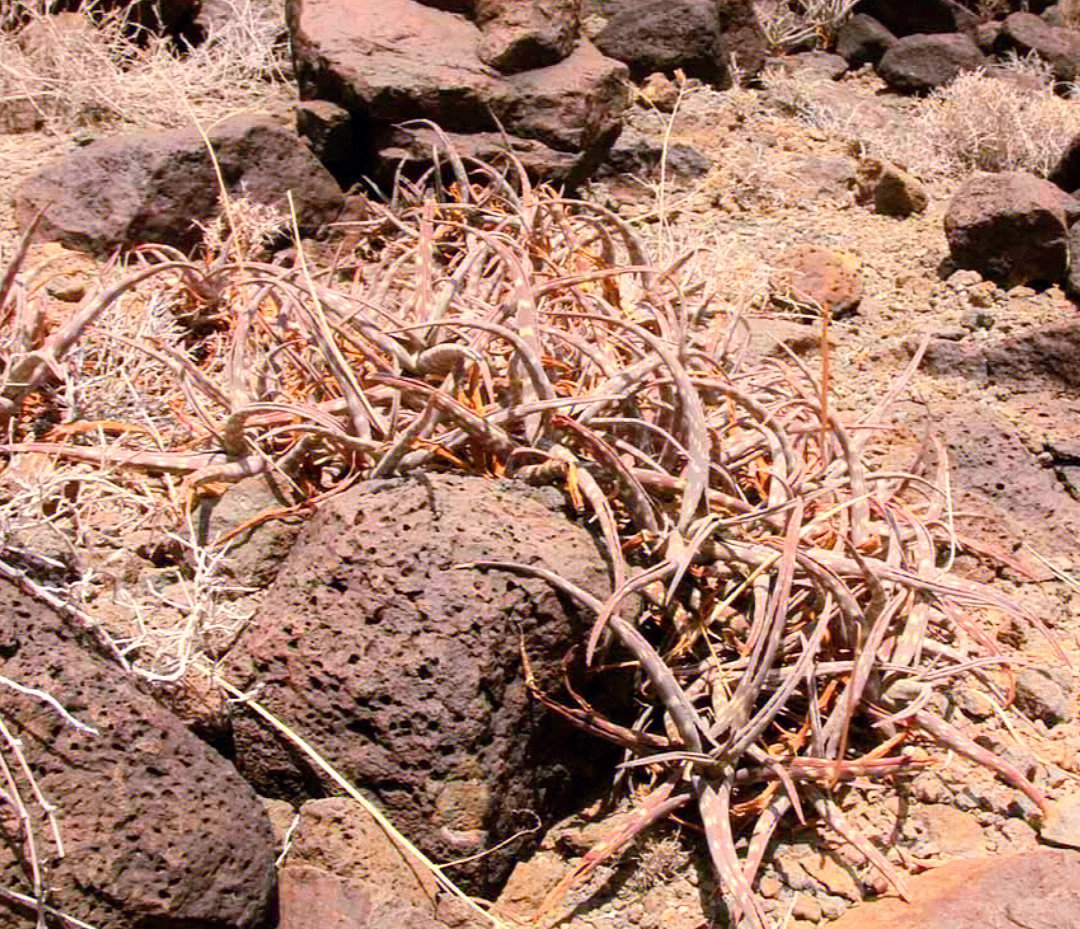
<point x="1038" y="695"/>
<point x="807" y="908"/>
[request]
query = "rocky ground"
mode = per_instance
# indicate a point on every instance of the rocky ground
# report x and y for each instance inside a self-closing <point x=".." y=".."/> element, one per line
<point x="749" y="175"/>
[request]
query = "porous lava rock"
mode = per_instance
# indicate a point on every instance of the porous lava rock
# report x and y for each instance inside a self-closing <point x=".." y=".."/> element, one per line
<point x="919" y="63"/>
<point x="1026" y="33"/>
<point x="1039" y="889"/>
<point x="158" y="829"/>
<point x="406" y="671"/>
<point x="154" y="186"/>
<point x="861" y="40"/>
<point x="516" y="35"/>
<point x="702" y="37"/>
<point x="919" y="17"/>
<point x="1011" y="227"/>
<point x="392" y="61"/>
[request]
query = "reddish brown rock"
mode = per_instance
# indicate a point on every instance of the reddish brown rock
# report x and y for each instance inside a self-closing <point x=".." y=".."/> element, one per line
<point x="1035" y="890"/>
<point x="395" y="60"/>
<point x="827" y="279"/>
<point x="1059" y="47"/>
<point x="520" y="34"/>
<point x="406" y="672"/>
<point x="153" y="186"/>
<point x="1011" y="227"/>
<point x="889" y="189"/>
<point x="158" y="829"/>
<point x="342" y="871"/>
<point x="918" y="63"/>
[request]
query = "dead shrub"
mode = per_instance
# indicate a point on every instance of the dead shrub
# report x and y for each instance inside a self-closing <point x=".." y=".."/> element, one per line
<point x="996" y="122"/>
<point x="93" y="70"/>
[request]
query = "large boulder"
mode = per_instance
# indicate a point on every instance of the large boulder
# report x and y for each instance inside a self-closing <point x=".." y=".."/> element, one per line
<point x="1057" y="46"/>
<point x="1037" y="890"/>
<point x="1011" y="227"/>
<point x="158" y="829"/>
<point x="154" y="186"/>
<point x="919" y="17"/>
<point x="516" y="35"/>
<point x="406" y="673"/>
<point x="919" y="63"/>
<point x="1066" y="173"/>
<point x="392" y="61"/>
<point x="702" y="37"/>
<point x="861" y="40"/>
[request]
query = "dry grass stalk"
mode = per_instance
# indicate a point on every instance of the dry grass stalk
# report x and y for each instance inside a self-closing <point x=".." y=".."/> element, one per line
<point x="796" y="625"/>
<point x="110" y="74"/>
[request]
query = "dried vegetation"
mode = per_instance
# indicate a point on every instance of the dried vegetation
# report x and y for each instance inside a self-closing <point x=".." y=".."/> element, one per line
<point x="98" y="69"/>
<point x="798" y="614"/>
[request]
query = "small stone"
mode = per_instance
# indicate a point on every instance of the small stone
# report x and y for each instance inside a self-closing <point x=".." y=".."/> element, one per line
<point x="807" y="908"/>
<point x="768" y="886"/>
<point x="982" y="295"/>
<point x="891" y="190"/>
<point x="929" y="788"/>
<point x="974" y="703"/>
<point x="792" y="874"/>
<point x="1038" y="695"/>
<point x="977" y="319"/>
<point x="660" y="91"/>
<point x="832" y="907"/>
<point x="832" y="875"/>
<point x="1019" y="834"/>
<point x="1062" y="825"/>
<point x="945" y="831"/>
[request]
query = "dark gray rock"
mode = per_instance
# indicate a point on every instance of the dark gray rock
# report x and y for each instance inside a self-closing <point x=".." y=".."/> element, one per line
<point x="698" y="36"/>
<point x="153" y="186"/>
<point x="919" y="17"/>
<point x="861" y="40"/>
<point x="918" y="63"/>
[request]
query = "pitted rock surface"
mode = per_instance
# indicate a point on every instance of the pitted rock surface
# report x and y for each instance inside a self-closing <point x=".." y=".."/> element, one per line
<point x="406" y="672"/>
<point x="158" y="829"/>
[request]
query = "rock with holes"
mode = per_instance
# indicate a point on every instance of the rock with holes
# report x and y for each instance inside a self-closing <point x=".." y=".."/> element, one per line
<point x="919" y="63"/>
<point x="827" y="280"/>
<point x="155" y="186"/>
<point x="158" y="829"/>
<point x="405" y="671"/>
<point x="1011" y="227"/>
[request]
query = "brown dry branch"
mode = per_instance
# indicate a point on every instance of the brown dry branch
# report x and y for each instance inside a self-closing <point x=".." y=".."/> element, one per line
<point x="795" y="624"/>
